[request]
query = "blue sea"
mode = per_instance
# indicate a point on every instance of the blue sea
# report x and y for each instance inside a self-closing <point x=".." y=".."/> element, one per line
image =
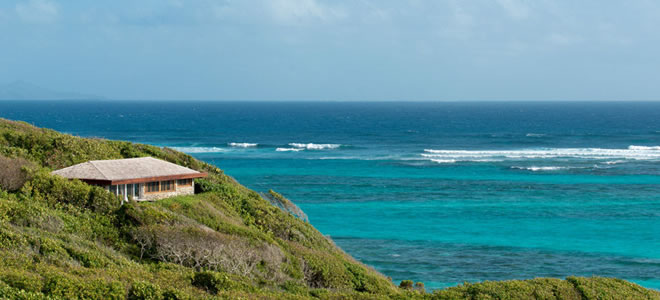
<point x="441" y="192"/>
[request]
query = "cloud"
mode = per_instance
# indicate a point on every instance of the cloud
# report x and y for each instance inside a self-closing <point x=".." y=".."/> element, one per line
<point x="37" y="11"/>
<point x="297" y="11"/>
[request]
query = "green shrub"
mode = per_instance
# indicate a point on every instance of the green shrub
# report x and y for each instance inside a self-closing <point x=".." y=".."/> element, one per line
<point x="295" y="287"/>
<point x="419" y="286"/>
<point x="217" y="281"/>
<point x="406" y="284"/>
<point x="610" y="288"/>
<point x="99" y="289"/>
<point x="48" y="246"/>
<point x="89" y="259"/>
<point x="539" y="288"/>
<point x="172" y="294"/>
<point x="22" y="280"/>
<point x="211" y="281"/>
<point x="142" y="290"/>
<point x="9" y="239"/>
<point x="7" y="292"/>
<point x="61" y="286"/>
<point x="56" y="190"/>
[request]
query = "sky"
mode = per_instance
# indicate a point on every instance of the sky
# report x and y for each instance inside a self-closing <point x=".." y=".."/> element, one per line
<point x="341" y="50"/>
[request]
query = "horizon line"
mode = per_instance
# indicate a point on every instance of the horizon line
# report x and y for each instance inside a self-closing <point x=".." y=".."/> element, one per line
<point x="335" y="101"/>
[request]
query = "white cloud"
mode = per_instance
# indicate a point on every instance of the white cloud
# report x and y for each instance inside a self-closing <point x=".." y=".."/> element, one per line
<point x="297" y="11"/>
<point x="515" y="8"/>
<point x="37" y="11"/>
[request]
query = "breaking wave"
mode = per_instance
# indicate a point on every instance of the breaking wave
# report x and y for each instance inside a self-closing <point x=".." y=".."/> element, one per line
<point x="444" y="161"/>
<point x="633" y="147"/>
<point x="243" y="145"/>
<point x="535" y="135"/>
<point x="289" y="149"/>
<point x="312" y="146"/>
<point x="199" y="149"/>
<point x="535" y="168"/>
<point x="631" y="153"/>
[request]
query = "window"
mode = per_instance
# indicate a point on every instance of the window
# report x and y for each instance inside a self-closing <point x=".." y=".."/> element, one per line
<point x="184" y="182"/>
<point x="113" y="189"/>
<point x="152" y="187"/>
<point x="136" y="191"/>
<point x="166" y="186"/>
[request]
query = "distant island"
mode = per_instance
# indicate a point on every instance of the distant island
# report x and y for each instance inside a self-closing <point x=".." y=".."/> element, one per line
<point x="22" y="90"/>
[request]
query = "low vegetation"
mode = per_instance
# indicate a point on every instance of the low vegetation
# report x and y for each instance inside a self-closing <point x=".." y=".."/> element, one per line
<point x="63" y="239"/>
<point x="13" y="172"/>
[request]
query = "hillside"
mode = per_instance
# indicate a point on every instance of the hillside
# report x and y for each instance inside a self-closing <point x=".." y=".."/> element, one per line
<point x="63" y="239"/>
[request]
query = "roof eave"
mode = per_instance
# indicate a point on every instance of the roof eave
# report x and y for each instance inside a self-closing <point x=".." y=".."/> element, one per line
<point x="159" y="178"/>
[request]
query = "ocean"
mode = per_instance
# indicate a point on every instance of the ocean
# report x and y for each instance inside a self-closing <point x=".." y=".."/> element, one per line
<point x="442" y="192"/>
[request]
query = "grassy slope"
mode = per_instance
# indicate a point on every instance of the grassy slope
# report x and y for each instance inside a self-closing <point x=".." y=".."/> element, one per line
<point x="64" y="239"/>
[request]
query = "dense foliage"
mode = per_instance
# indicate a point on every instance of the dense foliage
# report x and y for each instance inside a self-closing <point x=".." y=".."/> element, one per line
<point x="65" y="239"/>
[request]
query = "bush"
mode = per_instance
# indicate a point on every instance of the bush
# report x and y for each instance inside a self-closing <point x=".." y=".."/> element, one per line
<point x="13" y="173"/>
<point x="61" y="286"/>
<point x="7" y="292"/>
<point x="539" y="288"/>
<point x="294" y="287"/>
<point x="172" y="294"/>
<point x="406" y="284"/>
<point x="9" y="239"/>
<point x="419" y="286"/>
<point x="99" y="289"/>
<point x="214" y="282"/>
<point x="22" y="280"/>
<point x="89" y="259"/>
<point x="142" y="290"/>
<point x="210" y="281"/>
<point x="610" y="288"/>
<point x="56" y="190"/>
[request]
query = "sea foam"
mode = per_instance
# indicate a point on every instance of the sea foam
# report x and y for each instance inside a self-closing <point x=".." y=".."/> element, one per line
<point x="312" y="146"/>
<point x="535" y="135"/>
<point x="199" y="149"/>
<point x="289" y="149"/>
<point x="535" y="168"/>
<point x="633" y="147"/>
<point x="243" y="145"/>
<point x="444" y="161"/>
<point x="631" y="153"/>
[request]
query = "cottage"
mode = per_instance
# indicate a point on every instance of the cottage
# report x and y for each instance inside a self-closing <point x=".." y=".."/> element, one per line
<point x="143" y="178"/>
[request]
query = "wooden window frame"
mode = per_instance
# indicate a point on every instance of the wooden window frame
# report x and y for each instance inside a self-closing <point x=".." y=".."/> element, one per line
<point x="188" y="181"/>
<point x="171" y="186"/>
<point x="146" y="187"/>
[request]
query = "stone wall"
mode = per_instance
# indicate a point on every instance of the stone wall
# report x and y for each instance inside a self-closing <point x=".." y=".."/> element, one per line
<point x="185" y="190"/>
<point x="180" y="190"/>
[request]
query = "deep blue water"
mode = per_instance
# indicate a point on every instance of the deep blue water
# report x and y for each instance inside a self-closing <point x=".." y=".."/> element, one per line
<point x="436" y="192"/>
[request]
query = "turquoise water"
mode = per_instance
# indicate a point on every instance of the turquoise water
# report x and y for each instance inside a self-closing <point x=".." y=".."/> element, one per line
<point x="436" y="192"/>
